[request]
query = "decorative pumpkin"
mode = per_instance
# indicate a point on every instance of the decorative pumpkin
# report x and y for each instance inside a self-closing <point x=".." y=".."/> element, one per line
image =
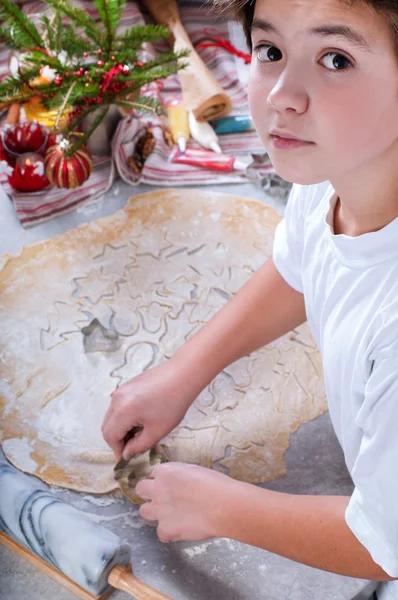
<point x="67" y="171"/>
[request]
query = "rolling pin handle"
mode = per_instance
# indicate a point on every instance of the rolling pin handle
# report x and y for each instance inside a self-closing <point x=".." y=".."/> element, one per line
<point x="123" y="579"/>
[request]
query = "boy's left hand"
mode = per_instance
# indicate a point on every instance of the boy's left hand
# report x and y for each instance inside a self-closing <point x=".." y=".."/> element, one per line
<point x="188" y="502"/>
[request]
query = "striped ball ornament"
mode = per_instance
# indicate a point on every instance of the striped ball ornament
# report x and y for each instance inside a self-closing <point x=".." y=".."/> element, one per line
<point x="67" y="171"/>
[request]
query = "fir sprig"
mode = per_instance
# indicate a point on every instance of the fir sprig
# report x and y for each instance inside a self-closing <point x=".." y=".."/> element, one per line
<point x="142" y="103"/>
<point x="110" y="12"/>
<point x="23" y="29"/>
<point x="80" y="18"/>
<point x="52" y="31"/>
<point x="143" y="33"/>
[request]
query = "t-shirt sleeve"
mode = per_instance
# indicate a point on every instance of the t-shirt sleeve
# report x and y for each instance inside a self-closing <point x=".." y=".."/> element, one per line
<point x="289" y="239"/>
<point x="372" y="513"/>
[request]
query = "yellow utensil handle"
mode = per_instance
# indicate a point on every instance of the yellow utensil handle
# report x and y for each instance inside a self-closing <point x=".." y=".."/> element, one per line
<point x="123" y="579"/>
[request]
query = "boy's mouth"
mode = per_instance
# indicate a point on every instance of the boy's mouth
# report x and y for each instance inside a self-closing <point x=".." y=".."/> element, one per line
<point x="283" y="140"/>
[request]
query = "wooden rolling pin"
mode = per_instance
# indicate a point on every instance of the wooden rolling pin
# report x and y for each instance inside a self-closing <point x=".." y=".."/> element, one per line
<point x="202" y="94"/>
<point x="64" y="542"/>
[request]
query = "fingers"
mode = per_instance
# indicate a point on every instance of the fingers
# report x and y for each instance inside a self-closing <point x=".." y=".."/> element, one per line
<point x="141" y="442"/>
<point x="148" y="512"/>
<point x="164" y="535"/>
<point x="144" y="488"/>
<point x="113" y="430"/>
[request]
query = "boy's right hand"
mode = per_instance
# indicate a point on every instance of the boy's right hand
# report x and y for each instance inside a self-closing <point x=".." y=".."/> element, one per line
<point x="155" y="401"/>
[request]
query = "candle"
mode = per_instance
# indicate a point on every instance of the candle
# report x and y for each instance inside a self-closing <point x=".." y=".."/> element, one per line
<point x="29" y="173"/>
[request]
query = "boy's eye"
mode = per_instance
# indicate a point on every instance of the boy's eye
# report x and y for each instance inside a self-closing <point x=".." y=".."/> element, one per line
<point x="268" y="53"/>
<point x="336" y="62"/>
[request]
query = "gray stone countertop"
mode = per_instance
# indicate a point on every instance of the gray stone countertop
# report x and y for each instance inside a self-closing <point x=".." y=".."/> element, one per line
<point x="218" y="569"/>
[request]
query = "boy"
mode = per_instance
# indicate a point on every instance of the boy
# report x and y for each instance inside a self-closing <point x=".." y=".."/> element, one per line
<point x="324" y="97"/>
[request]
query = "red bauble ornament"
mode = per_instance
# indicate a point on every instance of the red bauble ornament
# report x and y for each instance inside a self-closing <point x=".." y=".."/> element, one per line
<point x="67" y="172"/>
<point x="58" y="80"/>
<point x="100" y="63"/>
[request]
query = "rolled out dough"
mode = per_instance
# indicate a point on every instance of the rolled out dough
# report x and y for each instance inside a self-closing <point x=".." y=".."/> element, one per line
<point x="153" y="273"/>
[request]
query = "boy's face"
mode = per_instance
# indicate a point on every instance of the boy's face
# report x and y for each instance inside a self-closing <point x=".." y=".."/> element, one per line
<point x="326" y="73"/>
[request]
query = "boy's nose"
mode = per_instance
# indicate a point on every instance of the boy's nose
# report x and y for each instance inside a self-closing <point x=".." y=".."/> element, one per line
<point x="288" y="94"/>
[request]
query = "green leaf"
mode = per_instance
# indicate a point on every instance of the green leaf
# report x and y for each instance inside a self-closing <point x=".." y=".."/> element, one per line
<point x="22" y="32"/>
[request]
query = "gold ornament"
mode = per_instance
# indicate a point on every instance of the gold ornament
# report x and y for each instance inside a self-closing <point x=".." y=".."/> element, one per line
<point x="67" y="171"/>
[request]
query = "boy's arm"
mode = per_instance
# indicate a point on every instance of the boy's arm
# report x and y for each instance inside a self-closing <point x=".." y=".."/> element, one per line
<point x="308" y="529"/>
<point x="263" y="310"/>
<point x="193" y="503"/>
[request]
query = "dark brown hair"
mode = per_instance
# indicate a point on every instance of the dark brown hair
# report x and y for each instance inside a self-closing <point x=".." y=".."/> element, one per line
<point x="243" y="11"/>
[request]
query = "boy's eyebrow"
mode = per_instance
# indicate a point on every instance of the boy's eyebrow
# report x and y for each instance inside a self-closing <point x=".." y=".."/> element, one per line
<point x="345" y="32"/>
<point x="323" y="31"/>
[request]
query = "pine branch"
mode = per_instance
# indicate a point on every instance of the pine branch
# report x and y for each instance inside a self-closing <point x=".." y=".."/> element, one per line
<point x="165" y="58"/>
<point x="22" y="32"/>
<point x="58" y="27"/>
<point x="80" y="17"/>
<point x="74" y="44"/>
<point x="122" y="5"/>
<point x="143" y="33"/>
<point x="4" y="37"/>
<point x="14" y="86"/>
<point x="52" y="32"/>
<point x="39" y="59"/>
<point x="142" y="104"/>
<point x="110" y="12"/>
<point x="64" y="104"/>
<point x="17" y="98"/>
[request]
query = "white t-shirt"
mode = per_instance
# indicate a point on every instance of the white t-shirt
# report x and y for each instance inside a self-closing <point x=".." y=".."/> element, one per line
<point x="350" y="287"/>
